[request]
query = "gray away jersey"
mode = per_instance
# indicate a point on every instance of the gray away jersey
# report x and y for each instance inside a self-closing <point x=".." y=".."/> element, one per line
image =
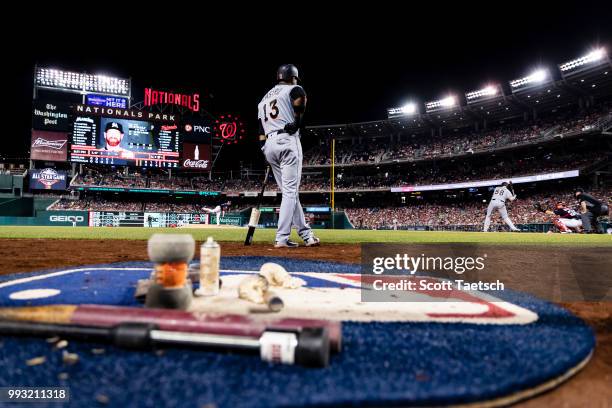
<point x="276" y="108"/>
<point x="502" y="194"/>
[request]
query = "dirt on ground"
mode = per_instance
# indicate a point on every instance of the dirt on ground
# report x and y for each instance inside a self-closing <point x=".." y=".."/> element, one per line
<point x="590" y="387"/>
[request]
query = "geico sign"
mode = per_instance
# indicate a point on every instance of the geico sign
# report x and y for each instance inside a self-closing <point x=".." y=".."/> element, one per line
<point x="66" y="218"/>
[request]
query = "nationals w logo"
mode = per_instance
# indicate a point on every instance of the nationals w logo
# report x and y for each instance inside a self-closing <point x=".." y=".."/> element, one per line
<point x="228" y="130"/>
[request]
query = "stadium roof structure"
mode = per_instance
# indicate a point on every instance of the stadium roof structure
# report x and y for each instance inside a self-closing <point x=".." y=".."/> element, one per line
<point x="373" y="129"/>
<point x="543" y="90"/>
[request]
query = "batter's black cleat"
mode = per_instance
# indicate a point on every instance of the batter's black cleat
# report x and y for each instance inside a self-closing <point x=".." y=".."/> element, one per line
<point x="312" y="241"/>
<point x="286" y="244"/>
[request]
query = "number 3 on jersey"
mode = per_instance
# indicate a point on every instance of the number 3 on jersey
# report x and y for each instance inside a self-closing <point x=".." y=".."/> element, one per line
<point x="273" y="111"/>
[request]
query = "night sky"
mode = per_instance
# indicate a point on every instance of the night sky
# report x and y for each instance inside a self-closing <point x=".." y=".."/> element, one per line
<point x="353" y="66"/>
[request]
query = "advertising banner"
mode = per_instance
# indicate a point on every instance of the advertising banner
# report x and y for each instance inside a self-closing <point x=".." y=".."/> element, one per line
<point x="53" y="116"/>
<point x="486" y="183"/>
<point x="196" y="156"/>
<point x="49" y="146"/>
<point x="47" y="179"/>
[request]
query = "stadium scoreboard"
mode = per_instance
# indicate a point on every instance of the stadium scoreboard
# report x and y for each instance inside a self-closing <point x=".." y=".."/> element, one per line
<point x="115" y="219"/>
<point x="113" y="141"/>
<point x="147" y="219"/>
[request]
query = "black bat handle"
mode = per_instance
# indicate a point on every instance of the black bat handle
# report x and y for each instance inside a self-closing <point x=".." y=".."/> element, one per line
<point x="73" y="332"/>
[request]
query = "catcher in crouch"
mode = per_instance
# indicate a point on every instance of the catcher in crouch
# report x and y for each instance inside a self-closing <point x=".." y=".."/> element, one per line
<point x="563" y="217"/>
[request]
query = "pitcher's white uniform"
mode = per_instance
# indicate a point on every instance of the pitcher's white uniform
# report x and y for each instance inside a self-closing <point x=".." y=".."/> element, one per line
<point x="216" y="211"/>
<point x="498" y="202"/>
<point x="284" y="154"/>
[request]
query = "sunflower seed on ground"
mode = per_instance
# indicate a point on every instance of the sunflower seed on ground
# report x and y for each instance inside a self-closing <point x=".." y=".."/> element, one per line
<point x="70" y="358"/>
<point x="98" y="351"/>
<point x="63" y="376"/>
<point x="36" y="361"/>
<point x="53" y="339"/>
<point x="102" y="399"/>
<point x="61" y="344"/>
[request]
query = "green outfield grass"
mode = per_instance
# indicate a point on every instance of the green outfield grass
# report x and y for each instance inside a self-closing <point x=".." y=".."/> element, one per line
<point x="327" y="236"/>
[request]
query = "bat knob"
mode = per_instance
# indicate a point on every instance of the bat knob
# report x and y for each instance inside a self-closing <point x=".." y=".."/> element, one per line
<point x="313" y="347"/>
<point x="161" y="297"/>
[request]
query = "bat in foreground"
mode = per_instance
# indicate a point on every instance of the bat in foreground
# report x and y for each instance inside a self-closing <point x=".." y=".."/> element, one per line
<point x="170" y="320"/>
<point x="254" y="220"/>
<point x="310" y="347"/>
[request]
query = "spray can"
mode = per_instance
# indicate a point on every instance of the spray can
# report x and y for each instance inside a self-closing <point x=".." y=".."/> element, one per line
<point x="210" y="256"/>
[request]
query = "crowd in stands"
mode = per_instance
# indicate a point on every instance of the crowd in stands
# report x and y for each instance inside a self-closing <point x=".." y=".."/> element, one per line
<point x="435" y="214"/>
<point x="427" y="146"/>
<point x="119" y="178"/>
<point x="445" y="172"/>
<point x="110" y="179"/>
<point x="423" y="175"/>
<point x="97" y="204"/>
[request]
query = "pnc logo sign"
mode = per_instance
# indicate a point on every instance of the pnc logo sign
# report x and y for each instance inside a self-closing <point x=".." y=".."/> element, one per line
<point x="198" y="128"/>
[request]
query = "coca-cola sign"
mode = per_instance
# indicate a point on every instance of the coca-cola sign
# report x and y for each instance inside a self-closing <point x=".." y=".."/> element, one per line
<point x="196" y="156"/>
<point x="196" y="164"/>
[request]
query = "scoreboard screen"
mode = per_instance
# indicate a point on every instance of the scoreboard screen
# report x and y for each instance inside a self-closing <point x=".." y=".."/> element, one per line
<point x="147" y="219"/>
<point x="115" y="219"/>
<point x="114" y="141"/>
<point x="174" y="219"/>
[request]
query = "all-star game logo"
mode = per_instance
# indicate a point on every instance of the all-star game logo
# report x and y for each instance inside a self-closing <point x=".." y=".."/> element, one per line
<point x="48" y="177"/>
<point x="229" y="129"/>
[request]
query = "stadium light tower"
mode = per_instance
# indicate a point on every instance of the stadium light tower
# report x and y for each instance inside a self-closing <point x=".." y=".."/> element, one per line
<point x="486" y="92"/>
<point x="444" y="103"/>
<point x="489" y="92"/>
<point x="80" y="83"/>
<point x="536" y="78"/>
<point x="594" y="59"/>
<point x="409" y="109"/>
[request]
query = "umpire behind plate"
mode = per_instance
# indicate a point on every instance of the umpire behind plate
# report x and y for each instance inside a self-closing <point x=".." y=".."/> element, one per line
<point x="280" y="115"/>
<point x="590" y="208"/>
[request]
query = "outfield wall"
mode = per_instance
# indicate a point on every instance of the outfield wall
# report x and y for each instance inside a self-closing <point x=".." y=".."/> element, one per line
<point x="50" y="218"/>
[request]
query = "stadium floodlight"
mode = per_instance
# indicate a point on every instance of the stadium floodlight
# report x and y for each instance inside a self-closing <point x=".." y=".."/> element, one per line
<point x="83" y="83"/>
<point x="593" y="56"/>
<point x="487" y="91"/>
<point x="443" y="103"/>
<point x="408" y="109"/>
<point x="536" y="77"/>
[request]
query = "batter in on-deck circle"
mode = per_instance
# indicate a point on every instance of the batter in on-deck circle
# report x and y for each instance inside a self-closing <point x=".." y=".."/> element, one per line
<point x="280" y="115"/>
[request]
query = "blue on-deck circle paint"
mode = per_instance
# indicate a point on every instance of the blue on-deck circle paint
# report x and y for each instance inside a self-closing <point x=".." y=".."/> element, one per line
<point x="382" y="363"/>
